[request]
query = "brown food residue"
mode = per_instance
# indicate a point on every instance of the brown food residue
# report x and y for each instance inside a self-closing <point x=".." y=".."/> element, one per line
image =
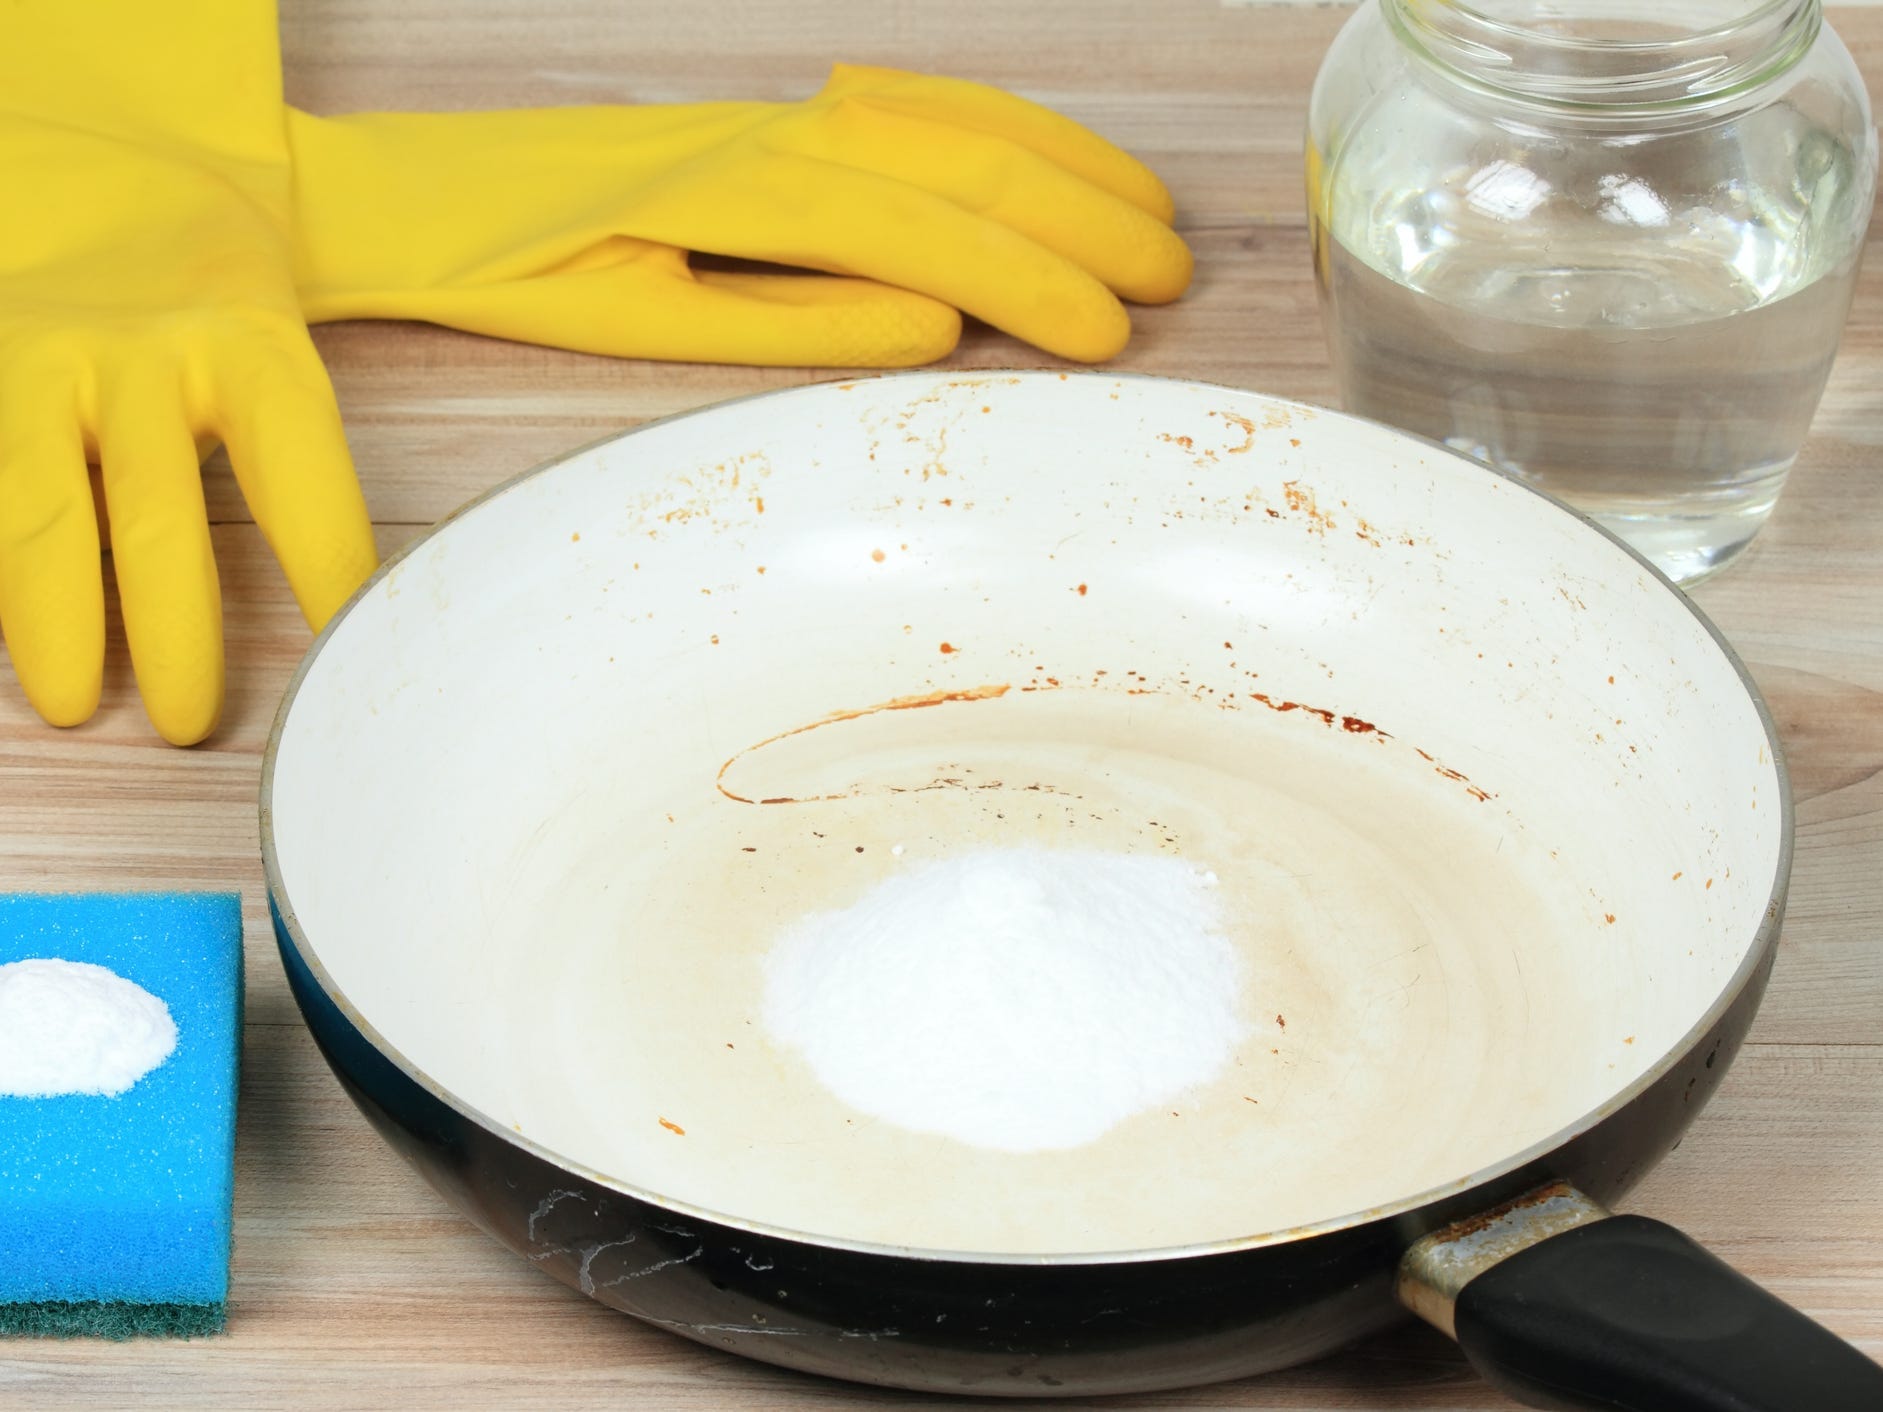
<point x="674" y="1127"/>
<point x="576" y="537"/>
<point x="1245" y="426"/>
<point x="1301" y="498"/>
<point x="878" y="555"/>
<point x="1325" y="717"/>
<point x="1280" y="1021"/>
<point x="991" y="691"/>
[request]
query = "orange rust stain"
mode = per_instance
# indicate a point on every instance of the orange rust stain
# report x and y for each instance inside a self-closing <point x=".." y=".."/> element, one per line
<point x="1709" y="883"/>
<point x="1609" y="917"/>
<point x="987" y="409"/>
<point x="1280" y="1021"/>
<point x="761" y="568"/>
<point x="1081" y="590"/>
<point x="1294" y="441"/>
<point x="758" y="503"/>
<point x="1247" y="1099"/>
<point x="576" y="538"/>
<point x="946" y="500"/>
<point x="991" y="691"/>
<point x="1274" y="514"/>
<point x="1677" y="877"/>
<point x="1629" y="1040"/>
<point x="878" y="555"/>
<point x="673" y="1127"/>
<point x="1471" y="1225"/>
<point x="1326" y="717"/>
<point x="1611" y="682"/>
<point x="715" y="639"/>
<point x="1353" y="725"/>
<point x="948" y="649"/>
<point x="1184" y="441"/>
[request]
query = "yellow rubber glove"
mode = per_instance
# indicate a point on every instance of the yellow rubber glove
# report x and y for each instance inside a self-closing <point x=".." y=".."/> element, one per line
<point x="147" y="307"/>
<point x="570" y="226"/>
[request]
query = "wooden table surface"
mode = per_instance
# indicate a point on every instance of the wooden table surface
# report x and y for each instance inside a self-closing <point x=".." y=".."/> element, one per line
<point x="355" y="1285"/>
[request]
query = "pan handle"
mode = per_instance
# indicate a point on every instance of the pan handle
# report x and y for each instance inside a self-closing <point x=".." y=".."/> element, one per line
<point x="1561" y="1305"/>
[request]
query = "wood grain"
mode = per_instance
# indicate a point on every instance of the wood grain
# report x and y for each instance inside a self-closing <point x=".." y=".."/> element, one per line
<point x="355" y="1286"/>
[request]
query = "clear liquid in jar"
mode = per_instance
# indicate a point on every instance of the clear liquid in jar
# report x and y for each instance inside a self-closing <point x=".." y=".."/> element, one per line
<point x="1661" y="380"/>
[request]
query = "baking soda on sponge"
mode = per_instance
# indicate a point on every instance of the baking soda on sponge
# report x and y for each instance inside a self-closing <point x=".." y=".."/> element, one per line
<point x="120" y="1026"/>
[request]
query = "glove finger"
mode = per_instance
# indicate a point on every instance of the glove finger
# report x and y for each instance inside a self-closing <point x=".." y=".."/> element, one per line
<point x="289" y="453"/>
<point x="658" y="308"/>
<point x="1054" y="136"/>
<point x="1134" y="254"/>
<point x="52" y="597"/>
<point x="166" y="566"/>
<point x="824" y="321"/>
<point x="794" y="210"/>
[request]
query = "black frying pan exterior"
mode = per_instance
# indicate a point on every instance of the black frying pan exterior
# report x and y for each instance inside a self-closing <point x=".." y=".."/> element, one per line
<point x="1047" y="1328"/>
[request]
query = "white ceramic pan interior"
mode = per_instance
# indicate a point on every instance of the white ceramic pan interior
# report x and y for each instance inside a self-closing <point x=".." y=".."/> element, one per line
<point x="1495" y="817"/>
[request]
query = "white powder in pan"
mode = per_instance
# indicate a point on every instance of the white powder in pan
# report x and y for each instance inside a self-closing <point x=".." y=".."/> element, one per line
<point x="71" y="1027"/>
<point x="1020" y="999"/>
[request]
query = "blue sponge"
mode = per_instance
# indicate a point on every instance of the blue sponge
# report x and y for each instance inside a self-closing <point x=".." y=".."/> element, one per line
<point x="115" y="1211"/>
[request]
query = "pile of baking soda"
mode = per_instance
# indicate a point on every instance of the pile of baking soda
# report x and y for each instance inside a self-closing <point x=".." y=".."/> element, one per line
<point x="69" y="1027"/>
<point x="1021" y="999"/>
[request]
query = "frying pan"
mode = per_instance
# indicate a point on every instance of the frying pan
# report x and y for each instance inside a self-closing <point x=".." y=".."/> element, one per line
<point x="1500" y="823"/>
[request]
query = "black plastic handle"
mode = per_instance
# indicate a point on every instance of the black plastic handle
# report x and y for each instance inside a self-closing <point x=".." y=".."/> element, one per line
<point x="1627" y="1314"/>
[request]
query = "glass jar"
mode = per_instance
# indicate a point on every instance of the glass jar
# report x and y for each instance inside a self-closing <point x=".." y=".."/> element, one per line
<point x="1606" y="246"/>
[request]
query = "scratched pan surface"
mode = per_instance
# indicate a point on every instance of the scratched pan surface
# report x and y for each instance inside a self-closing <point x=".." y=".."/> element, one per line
<point x="1498" y="823"/>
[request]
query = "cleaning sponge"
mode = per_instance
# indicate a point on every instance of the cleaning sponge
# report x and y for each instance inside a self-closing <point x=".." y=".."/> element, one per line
<point x="115" y="1207"/>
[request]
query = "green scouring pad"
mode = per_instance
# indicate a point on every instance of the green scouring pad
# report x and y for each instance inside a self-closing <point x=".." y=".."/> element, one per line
<point x="120" y="1031"/>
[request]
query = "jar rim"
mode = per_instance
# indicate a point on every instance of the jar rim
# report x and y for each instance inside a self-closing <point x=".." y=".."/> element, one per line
<point x="1596" y="74"/>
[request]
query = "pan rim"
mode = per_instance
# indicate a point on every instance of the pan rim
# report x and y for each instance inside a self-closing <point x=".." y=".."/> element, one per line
<point x="1763" y="940"/>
